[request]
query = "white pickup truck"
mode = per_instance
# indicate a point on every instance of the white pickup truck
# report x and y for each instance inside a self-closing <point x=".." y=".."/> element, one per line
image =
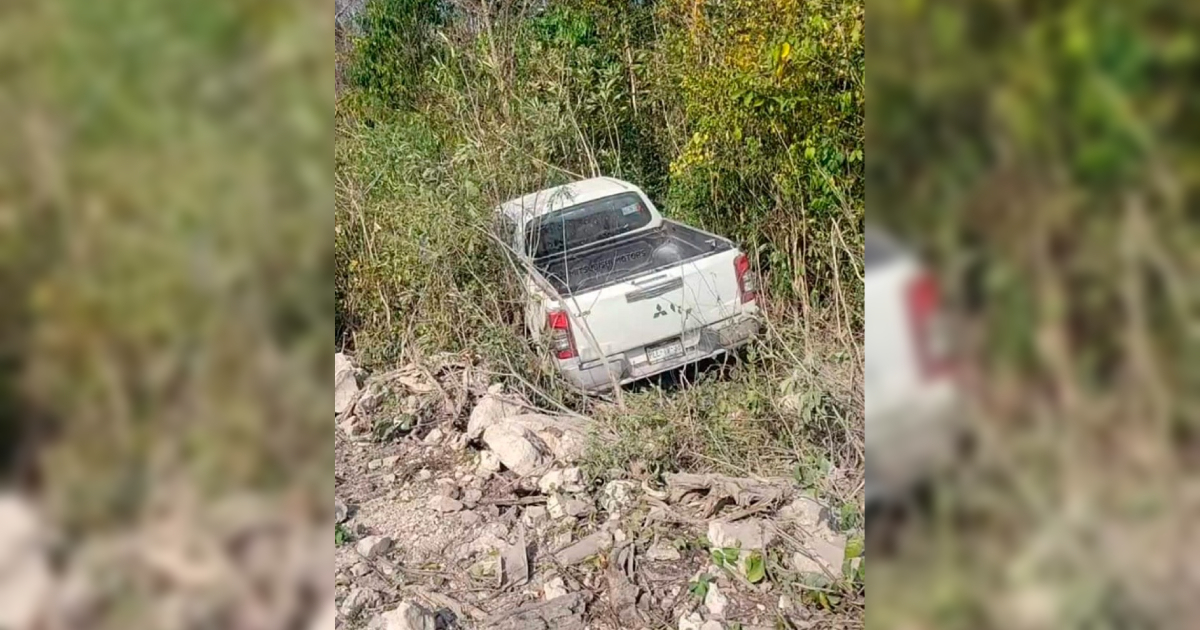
<point x="618" y="293"/>
<point x="915" y="419"/>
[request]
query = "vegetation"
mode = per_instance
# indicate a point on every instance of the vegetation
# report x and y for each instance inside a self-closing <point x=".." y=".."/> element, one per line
<point x="1046" y="154"/>
<point x="744" y="117"/>
<point x="164" y="264"/>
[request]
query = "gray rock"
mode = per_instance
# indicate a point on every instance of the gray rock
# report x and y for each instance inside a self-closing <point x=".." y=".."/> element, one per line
<point x="561" y="613"/>
<point x="553" y="588"/>
<point x="489" y="464"/>
<point x="25" y="578"/>
<point x="514" y="561"/>
<point x="534" y="515"/>
<point x="807" y="513"/>
<point x="353" y="426"/>
<point x="663" y="551"/>
<point x="561" y="507"/>
<point x="566" y="479"/>
<point x="565" y="438"/>
<point x="340" y="511"/>
<point x="471" y="497"/>
<point x="556" y="506"/>
<point x="445" y="504"/>
<point x="715" y="601"/>
<point x="515" y="448"/>
<point x="447" y="488"/>
<point x="471" y="518"/>
<point x="358" y="599"/>
<point x="390" y="462"/>
<point x="424" y="475"/>
<point x="490" y="411"/>
<point x="372" y="546"/>
<point x="617" y="496"/>
<point x="691" y="622"/>
<point x="747" y="535"/>
<point x="406" y="616"/>
<point x="434" y="436"/>
<point x="578" y="508"/>
<point x="345" y="384"/>
<point x="597" y="543"/>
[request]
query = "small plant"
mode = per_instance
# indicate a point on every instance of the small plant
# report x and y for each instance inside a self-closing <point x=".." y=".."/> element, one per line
<point x="811" y="472"/>
<point x="820" y="591"/>
<point x="341" y="535"/>
<point x="699" y="587"/>
<point x="725" y="558"/>
<point x="849" y="517"/>
<point x="756" y="568"/>
<point x="854" y="565"/>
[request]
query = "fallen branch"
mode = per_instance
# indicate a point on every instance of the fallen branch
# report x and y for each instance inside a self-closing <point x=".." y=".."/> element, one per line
<point x="509" y="501"/>
<point x="460" y="609"/>
<point x="565" y="613"/>
<point x="743" y="491"/>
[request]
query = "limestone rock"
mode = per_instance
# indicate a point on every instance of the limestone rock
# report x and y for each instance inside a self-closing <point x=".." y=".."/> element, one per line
<point x="553" y="588"/>
<point x="515" y="448"/>
<point x="715" y="601"/>
<point x="618" y="495"/>
<point x="372" y="546"/>
<point x="406" y="616"/>
<point x="445" y="504"/>
<point x="490" y="411"/>
<point x="345" y="384"/>
<point x="25" y="578"/>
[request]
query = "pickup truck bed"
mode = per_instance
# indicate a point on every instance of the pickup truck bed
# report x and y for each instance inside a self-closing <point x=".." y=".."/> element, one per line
<point x="619" y="293"/>
<point x="608" y="263"/>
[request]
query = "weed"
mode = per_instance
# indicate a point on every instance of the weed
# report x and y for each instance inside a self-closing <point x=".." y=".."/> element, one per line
<point x="698" y="588"/>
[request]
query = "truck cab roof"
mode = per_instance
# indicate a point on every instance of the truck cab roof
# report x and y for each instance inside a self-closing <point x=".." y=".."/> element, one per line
<point x="536" y="204"/>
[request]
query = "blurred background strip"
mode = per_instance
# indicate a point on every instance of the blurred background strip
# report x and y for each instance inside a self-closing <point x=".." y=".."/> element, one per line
<point x="1043" y="158"/>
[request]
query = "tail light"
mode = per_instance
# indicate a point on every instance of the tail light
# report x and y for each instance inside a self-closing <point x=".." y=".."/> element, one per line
<point x="747" y="279"/>
<point x="562" y="342"/>
<point x="931" y="334"/>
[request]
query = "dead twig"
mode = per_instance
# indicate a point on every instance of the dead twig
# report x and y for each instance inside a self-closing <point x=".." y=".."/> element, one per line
<point x="509" y="501"/>
<point x="460" y="609"/>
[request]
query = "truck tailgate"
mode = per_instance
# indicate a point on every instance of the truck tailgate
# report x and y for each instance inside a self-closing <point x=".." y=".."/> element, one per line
<point x="660" y="307"/>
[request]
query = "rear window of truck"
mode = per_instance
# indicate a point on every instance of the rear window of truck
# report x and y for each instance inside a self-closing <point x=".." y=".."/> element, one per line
<point x="563" y="230"/>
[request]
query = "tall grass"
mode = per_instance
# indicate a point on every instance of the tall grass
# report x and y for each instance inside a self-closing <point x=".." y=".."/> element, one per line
<point x="511" y="101"/>
<point x="1045" y="153"/>
<point x="163" y="261"/>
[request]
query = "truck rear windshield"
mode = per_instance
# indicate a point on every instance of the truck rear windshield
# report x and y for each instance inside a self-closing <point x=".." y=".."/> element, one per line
<point x="570" y="228"/>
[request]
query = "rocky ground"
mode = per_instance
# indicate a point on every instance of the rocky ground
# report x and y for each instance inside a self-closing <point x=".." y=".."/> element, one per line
<point x="459" y="505"/>
<point x="246" y="563"/>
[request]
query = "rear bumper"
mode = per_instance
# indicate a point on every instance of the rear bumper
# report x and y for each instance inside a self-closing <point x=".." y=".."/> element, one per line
<point x="713" y="341"/>
<point x="914" y="443"/>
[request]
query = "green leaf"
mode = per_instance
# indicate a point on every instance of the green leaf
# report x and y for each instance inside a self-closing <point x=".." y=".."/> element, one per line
<point x="755" y="568"/>
<point x="731" y="555"/>
<point x="854" y="548"/>
<point x="699" y="588"/>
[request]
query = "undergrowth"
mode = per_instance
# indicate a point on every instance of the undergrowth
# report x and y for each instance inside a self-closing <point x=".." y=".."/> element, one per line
<point x="746" y="122"/>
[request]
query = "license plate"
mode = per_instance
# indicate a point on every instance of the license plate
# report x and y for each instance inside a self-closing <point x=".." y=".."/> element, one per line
<point x="665" y="352"/>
